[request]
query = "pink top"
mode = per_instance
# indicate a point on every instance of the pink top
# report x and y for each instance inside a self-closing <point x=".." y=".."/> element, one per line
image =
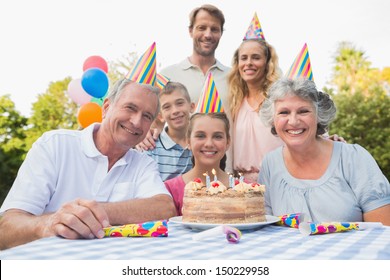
<point x="176" y="187"/>
<point x="251" y="140"/>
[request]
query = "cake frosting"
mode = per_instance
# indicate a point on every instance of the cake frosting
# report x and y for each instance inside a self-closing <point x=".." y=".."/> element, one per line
<point x="218" y="204"/>
<point x="216" y="187"/>
<point x="196" y="184"/>
<point x="245" y="187"/>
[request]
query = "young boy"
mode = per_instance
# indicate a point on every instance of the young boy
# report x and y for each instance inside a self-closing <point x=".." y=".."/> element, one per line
<point x="171" y="152"/>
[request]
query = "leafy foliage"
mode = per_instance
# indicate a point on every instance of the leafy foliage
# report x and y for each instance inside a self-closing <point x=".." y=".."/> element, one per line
<point x="53" y="110"/>
<point x="362" y="101"/>
<point x="365" y="120"/>
<point x="120" y="67"/>
<point x="12" y="144"/>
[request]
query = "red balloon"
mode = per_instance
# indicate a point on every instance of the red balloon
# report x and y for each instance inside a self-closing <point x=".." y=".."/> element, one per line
<point x="95" y="61"/>
<point x="89" y="113"/>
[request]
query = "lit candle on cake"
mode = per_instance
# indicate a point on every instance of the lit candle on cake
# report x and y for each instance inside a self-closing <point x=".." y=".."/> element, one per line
<point x="207" y="180"/>
<point x="231" y="180"/>
<point x="215" y="175"/>
<point x="241" y="178"/>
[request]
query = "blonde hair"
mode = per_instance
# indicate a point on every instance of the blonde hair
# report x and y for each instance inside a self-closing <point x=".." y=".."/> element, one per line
<point x="238" y="88"/>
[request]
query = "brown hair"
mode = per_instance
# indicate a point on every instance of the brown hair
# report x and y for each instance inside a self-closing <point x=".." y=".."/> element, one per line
<point x="221" y="116"/>
<point x="212" y="10"/>
<point x="172" y="86"/>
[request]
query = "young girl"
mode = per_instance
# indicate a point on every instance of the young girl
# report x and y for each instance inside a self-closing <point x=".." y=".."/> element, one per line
<point x="208" y="139"/>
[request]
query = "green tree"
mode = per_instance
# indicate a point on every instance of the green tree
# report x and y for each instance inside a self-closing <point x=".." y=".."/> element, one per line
<point x="54" y="109"/>
<point x="120" y="67"/>
<point x="350" y="68"/>
<point x="12" y="145"/>
<point x="362" y="104"/>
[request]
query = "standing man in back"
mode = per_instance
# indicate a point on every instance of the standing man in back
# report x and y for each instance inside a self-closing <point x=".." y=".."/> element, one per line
<point x="205" y="29"/>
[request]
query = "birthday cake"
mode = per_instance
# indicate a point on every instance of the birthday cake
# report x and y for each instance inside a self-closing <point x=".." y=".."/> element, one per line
<point x="218" y="204"/>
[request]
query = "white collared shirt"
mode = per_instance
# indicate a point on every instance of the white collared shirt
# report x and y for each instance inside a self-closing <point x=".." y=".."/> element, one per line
<point x="63" y="165"/>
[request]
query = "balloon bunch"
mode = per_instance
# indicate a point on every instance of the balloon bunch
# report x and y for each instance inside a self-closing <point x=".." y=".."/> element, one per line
<point x="89" y="91"/>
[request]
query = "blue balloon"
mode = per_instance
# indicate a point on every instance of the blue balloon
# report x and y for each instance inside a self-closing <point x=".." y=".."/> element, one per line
<point x="95" y="82"/>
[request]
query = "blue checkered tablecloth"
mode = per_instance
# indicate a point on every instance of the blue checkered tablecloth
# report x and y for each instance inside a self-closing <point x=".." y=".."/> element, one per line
<point x="269" y="242"/>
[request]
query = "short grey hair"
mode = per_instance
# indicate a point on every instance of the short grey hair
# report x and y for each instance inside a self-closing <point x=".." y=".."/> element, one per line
<point x="324" y="106"/>
<point x="118" y="87"/>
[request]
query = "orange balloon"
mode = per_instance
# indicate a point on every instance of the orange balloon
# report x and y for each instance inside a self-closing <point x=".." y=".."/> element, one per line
<point x="89" y="113"/>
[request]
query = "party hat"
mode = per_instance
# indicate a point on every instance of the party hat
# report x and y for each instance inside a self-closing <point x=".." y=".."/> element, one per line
<point x="254" y="30"/>
<point x="161" y="81"/>
<point x="301" y="67"/>
<point x="144" y="72"/>
<point x="210" y="102"/>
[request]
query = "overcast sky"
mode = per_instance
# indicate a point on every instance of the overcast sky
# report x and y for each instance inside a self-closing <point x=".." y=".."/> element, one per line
<point x="44" y="41"/>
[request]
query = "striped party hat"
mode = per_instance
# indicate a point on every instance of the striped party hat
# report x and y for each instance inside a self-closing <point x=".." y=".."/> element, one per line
<point x="301" y="67"/>
<point x="209" y="102"/>
<point x="161" y="81"/>
<point x="144" y="72"/>
<point x="254" y="30"/>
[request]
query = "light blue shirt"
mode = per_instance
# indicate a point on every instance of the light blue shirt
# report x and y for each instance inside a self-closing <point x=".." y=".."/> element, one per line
<point x="352" y="185"/>
<point x="172" y="159"/>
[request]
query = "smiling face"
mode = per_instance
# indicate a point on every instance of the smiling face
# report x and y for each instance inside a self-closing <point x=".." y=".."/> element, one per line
<point x="128" y="118"/>
<point x="252" y="62"/>
<point x="208" y="141"/>
<point x="205" y="33"/>
<point x="176" y="109"/>
<point x="295" y="121"/>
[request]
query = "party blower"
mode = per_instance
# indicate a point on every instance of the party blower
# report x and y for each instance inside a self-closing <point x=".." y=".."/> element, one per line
<point x="291" y="220"/>
<point x="147" y="229"/>
<point x="321" y="228"/>
<point x="233" y="235"/>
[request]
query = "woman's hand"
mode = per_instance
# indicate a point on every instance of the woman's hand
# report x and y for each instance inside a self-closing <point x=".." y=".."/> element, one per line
<point x="336" y="138"/>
